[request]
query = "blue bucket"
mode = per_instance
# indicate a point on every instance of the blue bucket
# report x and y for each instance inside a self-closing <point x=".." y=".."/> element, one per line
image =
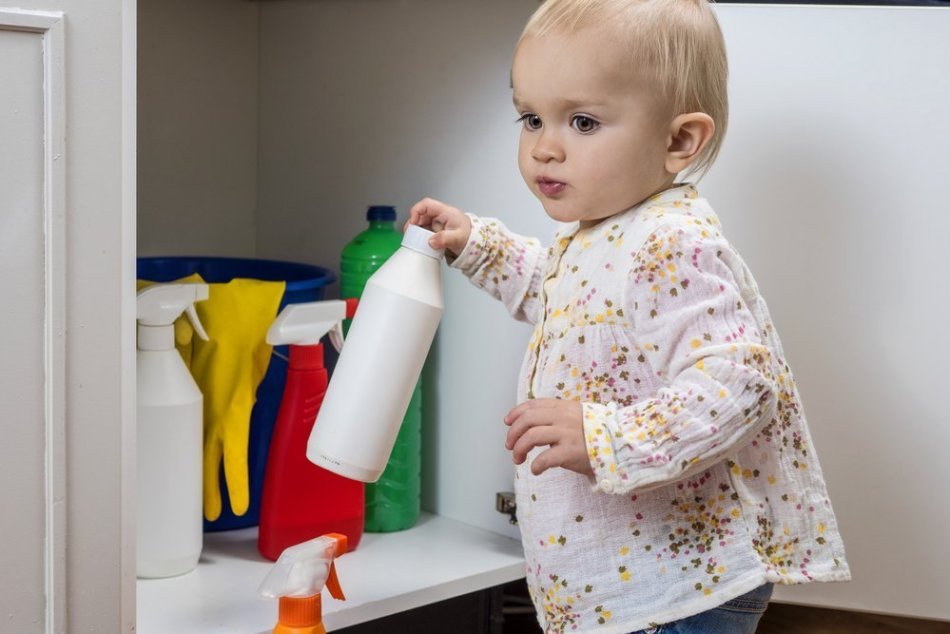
<point x="305" y="283"/>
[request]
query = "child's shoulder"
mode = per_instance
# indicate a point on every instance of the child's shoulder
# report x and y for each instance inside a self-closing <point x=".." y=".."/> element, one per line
<point x="676" y="216"/>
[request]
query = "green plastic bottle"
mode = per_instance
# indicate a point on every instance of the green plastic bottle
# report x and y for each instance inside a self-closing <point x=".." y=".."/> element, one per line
<point x="392" y="503"/>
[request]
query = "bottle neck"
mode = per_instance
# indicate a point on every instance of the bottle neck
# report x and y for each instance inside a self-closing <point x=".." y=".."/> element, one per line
<point x="300" y="615"/>
<point x="382" y="224"/>
<point x="156" y="337"/>
<point x="306" y="357"/>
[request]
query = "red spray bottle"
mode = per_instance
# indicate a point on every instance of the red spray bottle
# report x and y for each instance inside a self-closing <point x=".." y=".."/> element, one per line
<point x="301" y="501"/>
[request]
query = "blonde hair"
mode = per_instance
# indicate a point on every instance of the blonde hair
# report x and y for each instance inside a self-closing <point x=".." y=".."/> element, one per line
<point x="678" y="44"/>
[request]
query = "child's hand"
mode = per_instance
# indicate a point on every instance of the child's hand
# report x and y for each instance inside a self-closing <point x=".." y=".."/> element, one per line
<point x="549" y="421"/>
<point x="452" y="227"/>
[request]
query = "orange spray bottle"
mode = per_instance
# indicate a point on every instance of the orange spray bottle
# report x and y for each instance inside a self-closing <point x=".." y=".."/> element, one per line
<point x="297" y="579"/>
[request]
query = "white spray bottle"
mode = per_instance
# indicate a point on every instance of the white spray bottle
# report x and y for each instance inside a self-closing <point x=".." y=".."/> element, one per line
<point x="169" y="429"/>
<point x="385" y="349"/>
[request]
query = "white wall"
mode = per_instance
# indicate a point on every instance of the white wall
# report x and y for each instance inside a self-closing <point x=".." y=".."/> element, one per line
<point x="831" y="185"/>
<point x="197" y="137"/>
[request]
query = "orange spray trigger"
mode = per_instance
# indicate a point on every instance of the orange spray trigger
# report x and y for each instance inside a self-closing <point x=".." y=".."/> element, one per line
<point x="333" y="582"/>
<point x="297" y="578"/>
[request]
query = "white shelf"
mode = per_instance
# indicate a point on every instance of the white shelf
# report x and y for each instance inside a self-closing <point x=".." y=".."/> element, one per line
<point x="438" y="559"/>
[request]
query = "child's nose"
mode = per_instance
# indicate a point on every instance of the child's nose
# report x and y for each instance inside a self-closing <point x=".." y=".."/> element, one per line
<point x="548" y="148"/>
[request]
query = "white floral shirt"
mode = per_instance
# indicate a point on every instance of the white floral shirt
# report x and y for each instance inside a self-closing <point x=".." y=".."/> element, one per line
<point x="706" y="481"/>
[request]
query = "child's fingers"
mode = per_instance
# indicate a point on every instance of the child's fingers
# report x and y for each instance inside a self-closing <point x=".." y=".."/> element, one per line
<point x="531" y="417"/>
<point x="437" y="241"/>
<point x="426" y="211"/>
<point x="553" y="457"/>
<point x="535" y="403"/>
<point x="534" y="437"/>
<point x="422" y="212"/>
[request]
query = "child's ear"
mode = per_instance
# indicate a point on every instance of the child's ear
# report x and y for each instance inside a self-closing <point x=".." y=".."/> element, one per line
<point x="689" y="134"/>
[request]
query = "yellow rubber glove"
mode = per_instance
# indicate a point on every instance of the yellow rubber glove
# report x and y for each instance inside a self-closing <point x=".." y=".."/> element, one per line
<point x="228" y="369"/>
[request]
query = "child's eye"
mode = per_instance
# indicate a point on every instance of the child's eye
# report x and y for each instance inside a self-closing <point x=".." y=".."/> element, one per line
<point x="584" y="124"/>
<point x="530" y="121"/>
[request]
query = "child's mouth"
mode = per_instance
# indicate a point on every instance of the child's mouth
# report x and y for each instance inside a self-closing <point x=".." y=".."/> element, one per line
<point x="550" y="188"/>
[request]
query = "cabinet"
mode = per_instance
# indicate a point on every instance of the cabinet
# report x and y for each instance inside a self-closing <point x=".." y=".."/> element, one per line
<point x="67" y="373"/>
<point x="265" y="129"/>
<point x="820" y="184"/>
<point x="271" y="143"/>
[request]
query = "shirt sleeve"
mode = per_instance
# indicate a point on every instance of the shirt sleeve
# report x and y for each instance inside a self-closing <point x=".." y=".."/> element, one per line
<point x="696" y="332"/>
<point x="507" y="266"/>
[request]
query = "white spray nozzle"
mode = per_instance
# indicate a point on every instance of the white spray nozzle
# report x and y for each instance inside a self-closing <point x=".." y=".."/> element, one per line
<point x="161" y="304"/>
<point x="305" y="324"/>
<point x="303" y="570"/>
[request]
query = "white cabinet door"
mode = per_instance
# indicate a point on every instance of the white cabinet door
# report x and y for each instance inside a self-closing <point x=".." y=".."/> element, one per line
<point x="66" y="314"/>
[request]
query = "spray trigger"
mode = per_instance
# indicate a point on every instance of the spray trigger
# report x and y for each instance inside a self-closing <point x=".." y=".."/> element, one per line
<point x="195" y="322"/>
<point x="336" y="336"/>
<point x="303" y="570"/>
<point x="336" y="333"/>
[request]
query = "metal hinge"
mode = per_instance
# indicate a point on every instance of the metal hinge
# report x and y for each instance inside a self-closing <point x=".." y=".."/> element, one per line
<point x="505" y="503"/>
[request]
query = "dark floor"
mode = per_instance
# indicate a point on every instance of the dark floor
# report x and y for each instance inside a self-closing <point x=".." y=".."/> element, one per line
<point x="780" y="618"/>
<point x="507" y="610"/>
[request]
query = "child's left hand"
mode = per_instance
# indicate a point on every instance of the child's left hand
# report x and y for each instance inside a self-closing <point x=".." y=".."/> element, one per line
<point x="549" y="421"/>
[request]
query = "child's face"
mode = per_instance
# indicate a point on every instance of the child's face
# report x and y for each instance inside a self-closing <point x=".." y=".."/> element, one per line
<point x="594" y="138"/>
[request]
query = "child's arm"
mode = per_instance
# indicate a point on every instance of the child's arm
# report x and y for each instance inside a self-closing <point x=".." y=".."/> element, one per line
<point x="504" y="264"/>
<point x="696" y="331"/>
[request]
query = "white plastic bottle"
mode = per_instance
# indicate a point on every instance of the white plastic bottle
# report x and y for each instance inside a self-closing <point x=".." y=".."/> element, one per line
<point x="168" y="424"/>
<point x="380" y="362"/>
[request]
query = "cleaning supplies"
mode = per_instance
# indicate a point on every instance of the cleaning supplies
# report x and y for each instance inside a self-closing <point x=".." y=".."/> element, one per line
<point x="365" y="253"/>
<point x="392" y="503"/>
<point x="229" y="369"/>
<point x="378" y="368"/>
<point x="301" y="500"/>
<point x="168" y="423"/>
<point x="297" y="579"/>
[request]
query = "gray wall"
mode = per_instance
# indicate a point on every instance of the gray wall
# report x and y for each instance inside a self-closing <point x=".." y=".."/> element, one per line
<point x="197" y="132"/>
<point x="368" y="102"/>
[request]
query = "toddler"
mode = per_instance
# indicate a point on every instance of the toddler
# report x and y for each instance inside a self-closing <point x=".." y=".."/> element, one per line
<point x="665" y="472"/>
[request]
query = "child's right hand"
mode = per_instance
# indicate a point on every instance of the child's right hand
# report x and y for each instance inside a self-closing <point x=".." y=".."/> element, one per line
<point x="452" y="227"/>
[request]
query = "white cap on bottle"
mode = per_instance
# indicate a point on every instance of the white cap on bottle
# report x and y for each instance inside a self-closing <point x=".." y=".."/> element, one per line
<point x="417" y="239"/>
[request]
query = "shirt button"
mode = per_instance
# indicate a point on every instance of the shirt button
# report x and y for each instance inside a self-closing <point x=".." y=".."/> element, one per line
<point x="607" y="486"/>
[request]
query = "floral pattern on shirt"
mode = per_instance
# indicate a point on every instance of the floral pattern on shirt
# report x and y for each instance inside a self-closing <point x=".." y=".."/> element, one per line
<point x="706" y="483"/>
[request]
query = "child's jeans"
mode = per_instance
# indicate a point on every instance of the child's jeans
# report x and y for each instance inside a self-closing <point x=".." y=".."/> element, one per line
<point x="739" y="616"/>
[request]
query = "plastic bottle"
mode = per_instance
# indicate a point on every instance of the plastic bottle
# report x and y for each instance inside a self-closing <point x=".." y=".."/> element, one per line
<point x="297" y="579"/>
<point x="168" y="421"/>
<point x="365" y="253"/>
<point x="392" y="503"/>
<point x="301" y="500"/>
<point x="380" y="364"/>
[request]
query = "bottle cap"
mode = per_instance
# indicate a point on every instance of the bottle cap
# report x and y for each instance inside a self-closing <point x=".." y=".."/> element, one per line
<point x="381" y="212"/>
<point x="417" y="239"/>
